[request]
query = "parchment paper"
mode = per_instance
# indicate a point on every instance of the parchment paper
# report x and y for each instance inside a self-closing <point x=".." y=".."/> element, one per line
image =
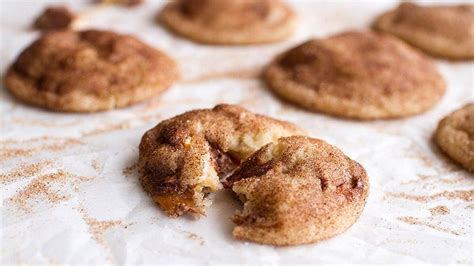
<point x="69" y="185"/>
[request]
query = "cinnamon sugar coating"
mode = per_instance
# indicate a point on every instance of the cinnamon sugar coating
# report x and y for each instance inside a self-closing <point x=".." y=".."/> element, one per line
<point x="360" y="75"/>
<point x="440" y="30"/>
<point x="298" y="190"/>
<point x="229" y="21"/>
<point x="89" y="71"/>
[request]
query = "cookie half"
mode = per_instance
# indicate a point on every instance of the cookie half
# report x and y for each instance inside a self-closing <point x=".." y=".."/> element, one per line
<point x="298" y="190"/>
<point x="441" y="30"/>
<point x="184" y="158"/>
<point x="360" y="75"/>
<point x="228" y="21"/>
<point x="455" y="136"/>
<point x="89" y="71"/>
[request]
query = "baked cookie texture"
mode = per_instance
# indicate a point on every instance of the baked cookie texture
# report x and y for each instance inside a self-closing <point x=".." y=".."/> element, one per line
<point x="298" y="190"/>
<point x="359" y="75"/>
<point x="455" y="136"/>
<point x="228" y="21"/>
<point x="88" y="71"/>
<point x="440" y="30"/>
<point x="184" y="158"/>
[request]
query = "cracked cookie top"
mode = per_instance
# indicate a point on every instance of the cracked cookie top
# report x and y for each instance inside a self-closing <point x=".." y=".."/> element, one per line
<point x="88" y="71"/>
<point x="360" y="75"/>
<point x="441" y="30"/>
<point x="297" y="190"/>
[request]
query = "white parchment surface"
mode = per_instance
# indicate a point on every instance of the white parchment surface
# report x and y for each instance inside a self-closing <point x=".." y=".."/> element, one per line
<point x="69" y="186"/>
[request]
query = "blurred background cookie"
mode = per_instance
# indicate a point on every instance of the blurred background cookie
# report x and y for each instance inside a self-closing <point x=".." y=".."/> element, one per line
<point x="298" y="190"/>
<point x="361" y="75"/>
<point x="229" y="21"/>
<point x="455" y="136"/>
<point x="184" y="158"/>
<point x="89" y="71"/>
<point x="440" y="30"/>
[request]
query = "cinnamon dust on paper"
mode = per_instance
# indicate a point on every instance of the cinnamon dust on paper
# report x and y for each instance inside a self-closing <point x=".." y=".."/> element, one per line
<point x="24" y="171"/>
<point x="465" y="195"/>
<point x="42" y="189"/>
<point x="195" y="237"/>
<point x="129" y="170"/>
<point x="96" y="165"/>
<point x="417" y="221"/>
<point x="8" y="153"/>
<point x="439" y="210"/>
<point x="98" y="229"/>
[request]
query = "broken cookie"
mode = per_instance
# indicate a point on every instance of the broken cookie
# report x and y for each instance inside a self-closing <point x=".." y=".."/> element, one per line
<point x="184" y="158"/>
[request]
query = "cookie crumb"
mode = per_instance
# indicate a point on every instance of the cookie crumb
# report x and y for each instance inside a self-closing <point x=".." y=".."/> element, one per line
<point x="54" y="18"/>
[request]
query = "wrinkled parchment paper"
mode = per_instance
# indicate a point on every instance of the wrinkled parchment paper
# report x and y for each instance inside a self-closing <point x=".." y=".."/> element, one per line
<point x="69" y="184"/>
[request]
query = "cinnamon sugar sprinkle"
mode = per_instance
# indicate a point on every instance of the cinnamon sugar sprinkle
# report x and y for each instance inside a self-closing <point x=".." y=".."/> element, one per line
<point x="41" y="189"/>
<point x="23" y="171"/>
<point x="465" y="195"/>
<point x="7" y="153"/>
<point x="436" y="178"/>
<point x="98" y="229"/>
<point x="129" y="170"/>
<point x="107" y="128"/>
<point x="195" y="237"/>
<point x="439" y="210"/>
<point x="416" y="221"/>
<point x="96" y="165"/>
<point x="33" y="140"/>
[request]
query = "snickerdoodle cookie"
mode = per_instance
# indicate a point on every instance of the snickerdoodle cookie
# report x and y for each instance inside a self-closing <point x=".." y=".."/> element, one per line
<point x="441" y="30"/>
<point x="184" y="158"/>
<point x="298" y="190"/>
<point x="89" y="71"/>
<point x="361" y="75"/>
<point x="229" y="21"/>
<point x="455" y="136"/>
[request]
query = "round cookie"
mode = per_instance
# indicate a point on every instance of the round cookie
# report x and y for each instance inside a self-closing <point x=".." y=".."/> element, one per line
<point x="298" y="190"/>
<point x="228" y="21"/>
<point x="184" y="158"/>
<point x="89" y="71"/>
<point x="360" y="75"/>
<point x="441" y="30"/>
<point x="455" y="136"/>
